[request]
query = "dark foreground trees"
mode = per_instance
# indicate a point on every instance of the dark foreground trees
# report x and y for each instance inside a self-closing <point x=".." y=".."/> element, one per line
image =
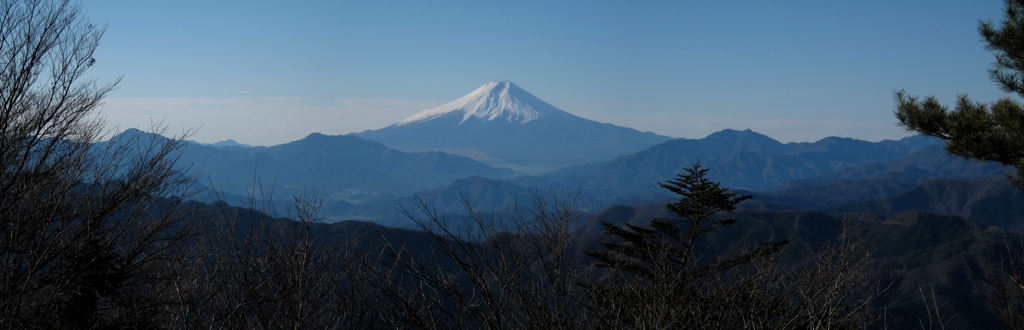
<point x="258" y="272"/>
<point x="523" y="270"/>
<point x="666" y="275"/>
<point x="661" y="278"/>
<point x="529" y="272"/>
<point x="487" y="270"/>
<point x="989" y="132"/>
<point x="84" y="239"/>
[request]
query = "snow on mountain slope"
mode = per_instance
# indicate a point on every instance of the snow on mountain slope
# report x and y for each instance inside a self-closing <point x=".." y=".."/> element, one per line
<point x="505" y="126"/>
<point x="493" y="101"/>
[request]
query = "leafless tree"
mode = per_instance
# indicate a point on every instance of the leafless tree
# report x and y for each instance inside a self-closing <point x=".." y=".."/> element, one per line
<point x="256" y="270"/>
<point x="833" y="288"/>
<point x="86" y="234"/>
<point x="527" y="273"/>
<point x="1003" y="281"/>
<point x="491" y="271"/>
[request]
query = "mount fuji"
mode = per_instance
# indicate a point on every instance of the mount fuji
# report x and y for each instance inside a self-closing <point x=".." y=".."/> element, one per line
<point x="504" y="125"/>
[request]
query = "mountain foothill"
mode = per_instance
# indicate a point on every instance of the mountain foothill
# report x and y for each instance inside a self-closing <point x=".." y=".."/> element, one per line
<point x="499" y="148"/>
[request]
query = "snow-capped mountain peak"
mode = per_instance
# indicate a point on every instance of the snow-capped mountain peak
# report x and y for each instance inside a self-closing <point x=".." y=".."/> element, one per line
<point x="502" y="124"/>
<point x="496" y="100"/>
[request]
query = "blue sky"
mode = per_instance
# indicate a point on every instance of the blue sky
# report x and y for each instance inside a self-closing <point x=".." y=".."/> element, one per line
<point x="268" y="72"/>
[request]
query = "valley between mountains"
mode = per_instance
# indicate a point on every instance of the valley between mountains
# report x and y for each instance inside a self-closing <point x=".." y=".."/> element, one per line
<point x="929" y="216"/>
<point x="475" y="148"/>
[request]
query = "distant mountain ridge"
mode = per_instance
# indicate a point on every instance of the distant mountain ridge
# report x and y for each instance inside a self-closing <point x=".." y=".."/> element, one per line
<point x="504" y="125"/>
<point x="230" y="143"/>
<point x="739" y="159"/>
<point x="365" y="180"/>
<point x="990" y="202"/>
<point x="931" y="161"/>
<point x="336" y="168"/>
